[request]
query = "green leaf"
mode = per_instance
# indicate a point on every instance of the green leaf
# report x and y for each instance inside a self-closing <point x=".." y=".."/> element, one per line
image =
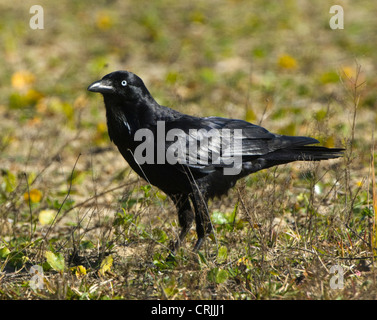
<point x="56" y="261"/>
<point x="207" y="75"/>
<point x="329" y="77"/>
<point x="147" y="190"/>
<point x="4" y="252"/>
<point x="218" y="275"/>
<point x="223" y="254"/>
<point x="219" y="217"/>
<point x="232" y="217"/>
<point x="221" y="276"/>
<point x="320" y="115"/>
<point x="86" y="244"/>
<point x="202" y="259"/>
<point x="212" y="274"/>
<point x="10" y="181"/>
<point x="159" y="235"/>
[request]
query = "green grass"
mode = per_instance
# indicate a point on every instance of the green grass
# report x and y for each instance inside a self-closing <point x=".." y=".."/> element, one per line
<point x="104" y="233"/>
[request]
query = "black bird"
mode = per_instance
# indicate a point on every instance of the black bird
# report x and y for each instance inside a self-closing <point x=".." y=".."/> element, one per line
<point x="202" y="156"/>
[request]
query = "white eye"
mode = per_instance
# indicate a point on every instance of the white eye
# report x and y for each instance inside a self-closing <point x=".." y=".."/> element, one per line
<point x="124" y="83"/>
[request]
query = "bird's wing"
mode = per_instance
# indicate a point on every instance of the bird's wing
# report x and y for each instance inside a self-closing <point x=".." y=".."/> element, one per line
<point x="212" y="142"/>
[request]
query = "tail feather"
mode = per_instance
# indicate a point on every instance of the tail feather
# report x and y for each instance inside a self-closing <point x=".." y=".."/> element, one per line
<point x="305" y="153"/>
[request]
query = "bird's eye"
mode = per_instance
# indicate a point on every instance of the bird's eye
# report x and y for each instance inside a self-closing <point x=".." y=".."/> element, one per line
<point x="124" y="83"/>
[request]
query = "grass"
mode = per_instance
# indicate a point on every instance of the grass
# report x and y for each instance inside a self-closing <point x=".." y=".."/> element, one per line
<point x="71" y="205"/>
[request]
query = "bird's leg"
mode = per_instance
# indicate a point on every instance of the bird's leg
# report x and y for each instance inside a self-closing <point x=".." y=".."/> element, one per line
<point x="202" y="219"/>
<point x="185" y="217"/>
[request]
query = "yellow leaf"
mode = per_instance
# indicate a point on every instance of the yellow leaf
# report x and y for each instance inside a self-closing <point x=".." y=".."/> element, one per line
<point x="104" y="21"/>
<point x="348" y="72"/>
<point x="160" y="195"/>
<point x="33" y="96"/>
<point x="22" y="79"/>
<point x="34" y="196"/>
<point x="80" y="271"/>
<point x="287" y="62"/>
<point x="244" y="262"/>
<point x="101" y="127"/>
<point x="106" y="265"/>
<point x="329" y="142"/>
<point x="250" y="115"/>
<point x="46" y="216"/>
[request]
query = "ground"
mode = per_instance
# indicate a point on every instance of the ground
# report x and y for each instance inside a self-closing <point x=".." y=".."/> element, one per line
<point x="70" y="204"/>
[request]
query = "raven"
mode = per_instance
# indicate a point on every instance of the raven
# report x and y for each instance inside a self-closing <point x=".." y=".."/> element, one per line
<point x="190" y="164"/>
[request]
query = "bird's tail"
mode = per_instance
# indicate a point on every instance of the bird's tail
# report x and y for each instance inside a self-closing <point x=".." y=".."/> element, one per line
<point x="290" y="149"/>
<point x="303" y="153"/>
<point x="283" y="156"/>
<point x="306" y="153"/>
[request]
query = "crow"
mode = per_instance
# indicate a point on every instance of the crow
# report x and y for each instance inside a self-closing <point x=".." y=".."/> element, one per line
<point x="192" y="159"/>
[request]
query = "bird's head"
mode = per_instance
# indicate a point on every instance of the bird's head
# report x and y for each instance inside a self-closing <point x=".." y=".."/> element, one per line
<point x="121" y="84"/>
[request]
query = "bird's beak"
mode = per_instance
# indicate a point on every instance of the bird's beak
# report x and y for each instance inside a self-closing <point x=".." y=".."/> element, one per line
<point x="102" y="86"/>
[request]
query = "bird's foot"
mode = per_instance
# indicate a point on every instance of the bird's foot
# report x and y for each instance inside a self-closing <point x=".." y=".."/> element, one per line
<point x="198" y="244"/>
